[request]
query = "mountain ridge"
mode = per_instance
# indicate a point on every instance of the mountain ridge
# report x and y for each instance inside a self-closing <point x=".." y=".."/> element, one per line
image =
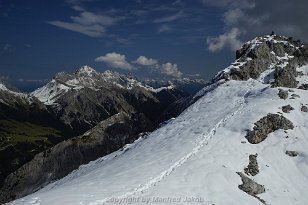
<point x="207" y="151"/>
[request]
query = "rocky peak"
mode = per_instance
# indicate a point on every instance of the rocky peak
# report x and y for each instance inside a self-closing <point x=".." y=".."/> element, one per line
<point x="271" y="59"/>
<point x="85" y="71"/>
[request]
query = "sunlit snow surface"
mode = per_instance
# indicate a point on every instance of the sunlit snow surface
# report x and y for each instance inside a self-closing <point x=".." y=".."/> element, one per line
<point x="197" y="155"/>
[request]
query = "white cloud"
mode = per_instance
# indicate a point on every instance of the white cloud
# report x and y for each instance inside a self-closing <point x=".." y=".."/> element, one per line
<point x="115" y="60"/>
<point x="87" y="23"/>
<point x="239" y="17"/>
<point x="167" y="69"/>
<point x="229" y="39"/>
<point x="170" y="18"/>
<point x="164" y="29"/>
<point x="233" y="16"/>
<point x="144" y="61"/>
<point x="171" y="70"/>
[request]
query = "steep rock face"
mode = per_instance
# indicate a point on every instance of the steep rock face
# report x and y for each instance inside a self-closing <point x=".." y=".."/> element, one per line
<point x="58" y="161"/>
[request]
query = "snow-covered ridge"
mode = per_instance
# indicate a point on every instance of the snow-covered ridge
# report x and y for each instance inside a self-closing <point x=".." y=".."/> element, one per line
<point x="14" y="93"/>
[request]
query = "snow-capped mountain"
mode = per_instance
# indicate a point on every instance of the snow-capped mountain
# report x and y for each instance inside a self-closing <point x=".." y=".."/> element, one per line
<point x="243" y="141"/>
<point x="85" y="97"/>
<point x="87" y="77"/>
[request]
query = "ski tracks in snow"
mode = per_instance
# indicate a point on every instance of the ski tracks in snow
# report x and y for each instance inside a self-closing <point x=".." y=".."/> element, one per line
<point x="203" y="142"/>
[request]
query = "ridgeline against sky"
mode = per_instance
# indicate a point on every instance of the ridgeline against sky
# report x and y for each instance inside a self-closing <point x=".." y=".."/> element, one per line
<point x="149" y="38"/>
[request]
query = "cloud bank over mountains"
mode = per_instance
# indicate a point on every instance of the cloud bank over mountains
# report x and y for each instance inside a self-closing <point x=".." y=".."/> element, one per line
<point x="116" y="60"/>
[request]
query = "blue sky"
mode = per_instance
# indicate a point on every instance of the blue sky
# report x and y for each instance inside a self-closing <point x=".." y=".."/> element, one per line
<point x="154" y="38"/>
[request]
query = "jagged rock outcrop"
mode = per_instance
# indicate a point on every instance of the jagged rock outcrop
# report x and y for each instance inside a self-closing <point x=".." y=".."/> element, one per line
<point x="267" y="125"/>
<point x="271" y="59"/>
<point x="56" y="162"/>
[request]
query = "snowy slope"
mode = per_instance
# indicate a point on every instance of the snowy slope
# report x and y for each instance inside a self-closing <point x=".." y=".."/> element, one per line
<point x="197" y="155"/>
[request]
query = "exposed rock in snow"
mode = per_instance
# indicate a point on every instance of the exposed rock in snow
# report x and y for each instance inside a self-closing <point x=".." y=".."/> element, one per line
<point x="304" y="108"/>
<point x="253" y="167"/>
<point x="287" y="108"/>
<point x="251" y="187"/>
<point x="292" y="153"/>
<point x="267" y="125"/>
<point x="283" y="94"/>
<point x="270" y="59"/>
<point x="294" y="96"/>
<point x="303" y="86"/>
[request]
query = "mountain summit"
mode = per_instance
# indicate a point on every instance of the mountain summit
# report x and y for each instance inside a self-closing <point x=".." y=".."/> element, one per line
<point x="243" y="141"/>
<point x="86" y="70"/>
<point x="269" y="59"/>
